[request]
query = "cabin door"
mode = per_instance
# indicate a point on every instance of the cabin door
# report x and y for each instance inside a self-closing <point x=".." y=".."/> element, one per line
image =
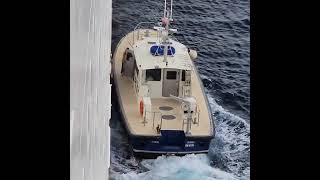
<point x="170" y="82"/>
<point x="128" y="64"/>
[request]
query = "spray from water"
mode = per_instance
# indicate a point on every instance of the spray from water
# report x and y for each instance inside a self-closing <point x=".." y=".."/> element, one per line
<point x="189" y="167"/>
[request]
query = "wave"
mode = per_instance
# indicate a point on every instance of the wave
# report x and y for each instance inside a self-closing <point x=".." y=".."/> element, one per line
<point x="189" y="167"/>
<point x="228" y="156"/>
<point x="230" y="149"/>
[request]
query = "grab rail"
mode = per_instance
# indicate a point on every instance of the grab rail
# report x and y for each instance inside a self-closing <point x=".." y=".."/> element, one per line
<point x="160" y="119"/>
<point x="138" y="26"/>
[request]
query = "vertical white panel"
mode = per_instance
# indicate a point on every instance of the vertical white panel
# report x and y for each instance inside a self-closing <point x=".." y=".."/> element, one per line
<point x="90" y="102"/>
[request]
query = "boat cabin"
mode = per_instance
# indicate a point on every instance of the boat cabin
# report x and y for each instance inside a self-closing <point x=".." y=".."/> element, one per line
<point x="153" y="76"/>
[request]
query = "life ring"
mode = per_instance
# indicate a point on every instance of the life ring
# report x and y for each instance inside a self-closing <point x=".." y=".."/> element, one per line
<point x="141" y="108"/>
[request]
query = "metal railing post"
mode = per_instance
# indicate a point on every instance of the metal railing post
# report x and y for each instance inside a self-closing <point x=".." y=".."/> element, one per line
<point x="161" y="121"/>
<point x="198" y="118"/>
<point x="138" y="26"/>
<point x="153" y="120"/>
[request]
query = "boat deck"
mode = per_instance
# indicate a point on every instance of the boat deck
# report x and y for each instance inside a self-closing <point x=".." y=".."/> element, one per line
<point x="130" y="105"/>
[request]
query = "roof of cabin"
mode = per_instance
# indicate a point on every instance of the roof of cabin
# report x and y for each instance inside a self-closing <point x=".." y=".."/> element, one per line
<point x="146" y="60"/>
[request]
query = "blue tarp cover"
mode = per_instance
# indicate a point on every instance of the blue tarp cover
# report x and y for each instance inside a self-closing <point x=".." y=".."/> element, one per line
<point x="159" y="50"/>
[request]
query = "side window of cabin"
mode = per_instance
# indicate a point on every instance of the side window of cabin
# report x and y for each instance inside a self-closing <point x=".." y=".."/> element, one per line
<point x="183" y="78"/>
<point x="136" y="69"/>
<point x="153" y="75"/>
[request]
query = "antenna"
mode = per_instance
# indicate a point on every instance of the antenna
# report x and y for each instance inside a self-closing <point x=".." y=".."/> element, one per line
<point x="165" y="11"/>
<point x="171" y="11"/>
<point x="165" y="8"/>
<point x="164" y="29"/>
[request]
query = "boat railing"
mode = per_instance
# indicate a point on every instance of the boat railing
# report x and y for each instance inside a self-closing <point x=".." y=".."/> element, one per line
<point x="146" y="25"/>
<point x="186" y="92"/>
<point x="157" y="119"/>
<point x="194" y="121"/>
<point x="152" y="115"/>
<point x="139" y="26"/>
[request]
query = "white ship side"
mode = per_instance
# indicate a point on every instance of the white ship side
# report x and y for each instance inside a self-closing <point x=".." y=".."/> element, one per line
<point x="90" y="89"/>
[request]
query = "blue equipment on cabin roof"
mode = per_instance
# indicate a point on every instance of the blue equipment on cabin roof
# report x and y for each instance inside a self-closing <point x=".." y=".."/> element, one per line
<point x="159" y="50"/>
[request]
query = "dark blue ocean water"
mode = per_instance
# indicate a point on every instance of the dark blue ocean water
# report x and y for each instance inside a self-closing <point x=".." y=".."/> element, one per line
<point x="220" y="32"/>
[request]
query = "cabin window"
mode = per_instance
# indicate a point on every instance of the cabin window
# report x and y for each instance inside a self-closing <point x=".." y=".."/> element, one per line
<point x="153" y="75"/>
<point x="171" y="74"/>
<point x="183" y="78"/>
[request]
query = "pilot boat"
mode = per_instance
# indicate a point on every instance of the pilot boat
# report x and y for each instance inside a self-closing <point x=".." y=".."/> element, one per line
<point x="161" y="98"/>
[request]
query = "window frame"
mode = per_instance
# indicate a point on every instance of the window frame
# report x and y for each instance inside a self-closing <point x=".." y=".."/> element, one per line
<point x="168" y="73"/>
<point x="157" y="79"/>
<point x="183" y="75"/>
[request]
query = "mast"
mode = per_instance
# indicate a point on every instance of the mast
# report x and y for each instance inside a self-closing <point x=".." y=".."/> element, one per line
<point x="165" y="8"/>
<point x="171" y="11"/>
<point x="165" y="23"/>
<point x="164" y="29"/>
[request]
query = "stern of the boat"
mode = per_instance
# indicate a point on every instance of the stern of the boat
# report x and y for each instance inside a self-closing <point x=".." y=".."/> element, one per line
<point x="169" y="142"/>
